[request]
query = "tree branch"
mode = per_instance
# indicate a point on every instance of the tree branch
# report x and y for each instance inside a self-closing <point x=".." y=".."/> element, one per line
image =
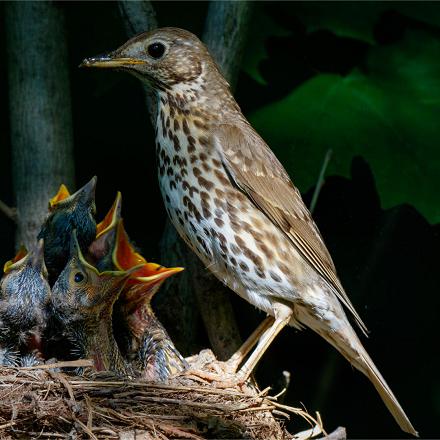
<point x="9" y="212"/>
<point x="225" y="35"/>
<point x="320" y="180"/>
<point x="137" y="17"/>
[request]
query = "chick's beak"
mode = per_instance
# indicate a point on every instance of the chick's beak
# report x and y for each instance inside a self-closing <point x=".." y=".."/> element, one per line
<point x="21" y="254"/>
<point x="110" y="61"/>
<point x="89" y="188"/>
<point x="37" y="258"/>
<point x="86" y="194"/>
<point x="153" y="273"/>
<point x="110" y="220"/>
<point x="144" y="284"/>
<point x="62" y="194"/>
<point x="125" y="257"/>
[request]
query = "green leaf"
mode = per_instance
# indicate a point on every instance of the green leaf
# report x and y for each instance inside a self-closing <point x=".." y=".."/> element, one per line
<point x="389" y="114"/>
<point x="261" y="27"/>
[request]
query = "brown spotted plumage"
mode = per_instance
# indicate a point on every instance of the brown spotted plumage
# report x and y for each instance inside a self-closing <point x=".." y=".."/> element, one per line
<point x="234" y="204"/>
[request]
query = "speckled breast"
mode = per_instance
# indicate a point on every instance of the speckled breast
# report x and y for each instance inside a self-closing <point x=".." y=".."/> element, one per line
<point x="234" y="239"/>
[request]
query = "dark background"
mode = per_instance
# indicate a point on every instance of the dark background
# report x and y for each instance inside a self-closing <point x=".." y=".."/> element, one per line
<point x="360" y="78"/>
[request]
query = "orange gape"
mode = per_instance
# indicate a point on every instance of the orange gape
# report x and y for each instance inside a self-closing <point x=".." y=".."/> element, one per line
<point x="110" y="219"/>
<point x="22" y="252"/>
<point x="62" y="194"/>
<point x="125" y="257"/>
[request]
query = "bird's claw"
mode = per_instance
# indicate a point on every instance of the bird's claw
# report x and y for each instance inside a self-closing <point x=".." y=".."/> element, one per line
<point x="217" y="379"/>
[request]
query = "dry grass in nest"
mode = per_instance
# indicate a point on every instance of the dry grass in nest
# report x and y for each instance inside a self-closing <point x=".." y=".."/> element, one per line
<point x="45" y="403"/>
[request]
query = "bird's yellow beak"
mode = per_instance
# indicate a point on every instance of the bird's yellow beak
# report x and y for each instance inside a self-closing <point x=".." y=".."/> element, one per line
<point x="21" y="254"/>
<point x="109" y="62"/>
<point x="62" y="194"/>
<point x="152" y="273"/>
<point x="125" y="257"/>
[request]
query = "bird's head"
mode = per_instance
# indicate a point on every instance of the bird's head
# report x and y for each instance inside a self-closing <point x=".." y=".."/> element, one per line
<point x="81" y="203"/>
<point x="24" y="289"/>
<point x="72" y="211"/>
<point x="26" y="275"/>
<point x="164" y="58"/>
<point x="81" y="292"/>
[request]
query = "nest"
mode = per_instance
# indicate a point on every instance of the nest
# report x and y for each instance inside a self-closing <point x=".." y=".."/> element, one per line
<point x="44" y="402"/>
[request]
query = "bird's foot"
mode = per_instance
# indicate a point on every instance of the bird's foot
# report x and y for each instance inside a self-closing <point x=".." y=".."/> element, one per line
<point x="205" y="368"/>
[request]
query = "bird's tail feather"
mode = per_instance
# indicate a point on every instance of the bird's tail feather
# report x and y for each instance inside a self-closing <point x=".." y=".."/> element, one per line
<point x="348" y="344"/>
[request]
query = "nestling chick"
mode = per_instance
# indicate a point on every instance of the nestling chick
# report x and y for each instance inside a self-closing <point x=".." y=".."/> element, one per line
<point x="24" y="295"/>
<point x="141" y="337"/>
<point x="66" y="214"/>
<point x="82" y="300"/>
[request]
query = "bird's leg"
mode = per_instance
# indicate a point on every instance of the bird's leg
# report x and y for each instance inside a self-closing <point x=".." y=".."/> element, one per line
<point x="264" y="342"/>
<point x="237" y="358"/>
<point x="266" y="333"/>
<point x="230" y="367"/>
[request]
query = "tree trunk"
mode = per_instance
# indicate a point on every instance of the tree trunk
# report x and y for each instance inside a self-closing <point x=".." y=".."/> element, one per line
<point x="137" y="17"/>
<point x="177" y="293"/>
<point x="225" y="33"/>
<point x="40" y="110"/>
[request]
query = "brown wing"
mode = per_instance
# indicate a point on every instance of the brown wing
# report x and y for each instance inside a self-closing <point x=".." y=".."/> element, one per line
<point x="257" y="172"/>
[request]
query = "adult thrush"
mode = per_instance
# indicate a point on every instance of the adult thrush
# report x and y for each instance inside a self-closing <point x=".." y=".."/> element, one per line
<point x="82" y="299"/>
<point x="66" y="213"/>
<point x="141" y="336"/>
<point x="24" y="295"/>
<point x="234" y="204"/>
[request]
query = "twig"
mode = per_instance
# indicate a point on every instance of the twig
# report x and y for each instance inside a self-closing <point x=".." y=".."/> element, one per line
<point x="212" y="406"/>
<point x="7" y="425"/>
<point x="40" y="434"/>
<point x="85" y="429"/>
<point x="9" y="212"/>
<point x="176" y="431"/>
<point x="76" y="364"/>
<point x="320" y="181"/>
<point x="65" y="383"/>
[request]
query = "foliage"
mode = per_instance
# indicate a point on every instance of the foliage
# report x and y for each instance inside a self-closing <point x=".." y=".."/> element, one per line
<point x="380" y="100"/>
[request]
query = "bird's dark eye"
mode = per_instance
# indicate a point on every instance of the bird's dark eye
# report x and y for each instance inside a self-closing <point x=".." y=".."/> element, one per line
<point x="156" y="50"/>
<point x="78" y="277"/>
